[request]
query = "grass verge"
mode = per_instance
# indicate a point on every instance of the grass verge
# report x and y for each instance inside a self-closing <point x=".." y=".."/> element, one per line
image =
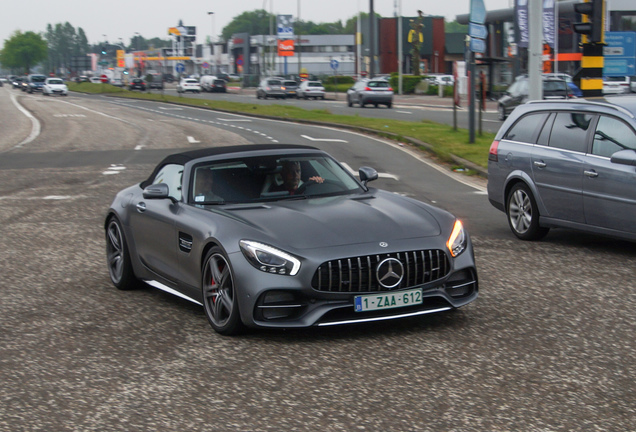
<point x="440" y="140"/>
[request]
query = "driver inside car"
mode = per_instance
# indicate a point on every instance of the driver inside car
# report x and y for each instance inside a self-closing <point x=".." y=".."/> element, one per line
<point x="290" y="174"/>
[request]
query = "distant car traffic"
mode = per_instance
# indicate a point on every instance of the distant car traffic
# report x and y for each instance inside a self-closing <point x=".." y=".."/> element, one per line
<point x="213" y="84"/>
<point x="374" y="91"/>
<point x="223" y="227"/>
<point x="95" y="80"/>
<point x="54" y="86"/>
<point x="519" y="92"/>
<point x="311" y="89"/>
<point x="35" y="83"/>
<point x="567" y="164"/>
<point x="270" y="87"/>
<point x="137" y="84"/>
<point x="291" y="88"/>
<point x="616" y="85"/>
<point x="576" y="91"/>
<point x="154" y="81"/>
<point x="189" y="85"/>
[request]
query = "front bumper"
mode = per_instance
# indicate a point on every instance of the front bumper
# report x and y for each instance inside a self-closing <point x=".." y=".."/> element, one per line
<point x="276" y="301"/>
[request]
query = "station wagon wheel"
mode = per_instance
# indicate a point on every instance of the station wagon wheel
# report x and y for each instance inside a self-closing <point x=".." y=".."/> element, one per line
<point x="220" y="301"/>
<point x="523" y="215"/>
<point x="119" y="265"/>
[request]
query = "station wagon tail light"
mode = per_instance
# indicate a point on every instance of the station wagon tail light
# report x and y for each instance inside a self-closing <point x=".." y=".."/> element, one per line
<point x="492" y="153"/>
<point x="457" y="241"/>
<point x="269" y="259"/>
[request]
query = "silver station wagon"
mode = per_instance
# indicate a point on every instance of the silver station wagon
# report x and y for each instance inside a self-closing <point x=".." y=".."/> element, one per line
<point x="567" y="164"/>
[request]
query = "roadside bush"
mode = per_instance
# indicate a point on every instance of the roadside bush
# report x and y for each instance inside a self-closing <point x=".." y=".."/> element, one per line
<point x="409" y="82"/>
<point x="342" y="79"/>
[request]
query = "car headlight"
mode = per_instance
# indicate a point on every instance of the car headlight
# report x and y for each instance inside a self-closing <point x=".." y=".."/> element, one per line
<point x="269" y="259"/>
<point x="457" y="241"/>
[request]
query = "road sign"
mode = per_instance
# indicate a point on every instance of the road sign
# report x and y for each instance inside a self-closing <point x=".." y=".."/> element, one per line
<point x="205" y="65"/>
<point x="334" y="64"/>
<point x="619" y="54"/>
<point x="477" y="11"/>
<point x="477" y="45"/>
<point x="179" y="67"/>
<point x="477" y="31"/>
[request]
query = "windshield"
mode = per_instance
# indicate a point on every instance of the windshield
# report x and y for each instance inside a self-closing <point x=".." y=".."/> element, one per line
<point x="270" y="178"/>
<point x="39" y="78"/>
<point x="55" y="81"/>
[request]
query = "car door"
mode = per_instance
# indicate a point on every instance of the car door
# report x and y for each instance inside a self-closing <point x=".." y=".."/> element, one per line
<point x="557" y="168"/>
<point x="609" y="189"/>
<point x="153" y="224"/>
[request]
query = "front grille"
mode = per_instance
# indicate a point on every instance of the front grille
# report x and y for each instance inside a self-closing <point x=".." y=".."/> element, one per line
<point x="358" y="274"/>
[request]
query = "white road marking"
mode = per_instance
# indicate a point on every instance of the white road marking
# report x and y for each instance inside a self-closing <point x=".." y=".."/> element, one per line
<point x="191" y="140"/>
<point x="170" y="108"/>
<point x="234" y="120"/>
<point x="35" y="124"/>
<point x="139" y="147"/>
<point x="323" y="139"/>
<point x="404" y="112"/>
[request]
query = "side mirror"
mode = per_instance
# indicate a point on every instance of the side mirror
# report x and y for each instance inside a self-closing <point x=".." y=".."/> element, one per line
<point x="367" y="174"/>
<point x="624" y="157"/>
<point x="157" y="191"/>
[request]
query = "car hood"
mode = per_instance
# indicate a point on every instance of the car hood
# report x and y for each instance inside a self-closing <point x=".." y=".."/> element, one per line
<point x="335" y="221"/>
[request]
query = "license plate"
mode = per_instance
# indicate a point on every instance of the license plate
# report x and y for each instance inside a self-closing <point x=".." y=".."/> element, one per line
<point x="399" y="299"/>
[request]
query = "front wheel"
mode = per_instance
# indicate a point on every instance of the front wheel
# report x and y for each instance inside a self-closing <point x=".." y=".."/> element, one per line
<point x="219" y="294"/>
<point x="118" y="258"/>
<point x="523" y="214"/>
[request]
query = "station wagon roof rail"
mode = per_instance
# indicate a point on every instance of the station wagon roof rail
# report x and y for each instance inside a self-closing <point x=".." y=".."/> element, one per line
<point x="588" y="102"/>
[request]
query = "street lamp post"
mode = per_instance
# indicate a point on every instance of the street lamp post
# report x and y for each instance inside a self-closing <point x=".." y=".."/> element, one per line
<point x="212" y="48"/>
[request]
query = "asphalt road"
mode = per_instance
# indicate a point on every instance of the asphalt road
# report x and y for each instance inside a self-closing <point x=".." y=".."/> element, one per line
<point x="406" y="107"/>
<point x="548" y="346"/>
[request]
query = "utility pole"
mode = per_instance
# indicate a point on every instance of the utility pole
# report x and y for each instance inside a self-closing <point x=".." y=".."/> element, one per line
<point x="535" y="50"/>
<point x="372" y="38"/>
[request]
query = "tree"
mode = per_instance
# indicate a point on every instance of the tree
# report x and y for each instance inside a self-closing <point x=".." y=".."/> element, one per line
<point x="64" y="42"/>
<point x="23" y="51"/>
<point x="258" y="23"/>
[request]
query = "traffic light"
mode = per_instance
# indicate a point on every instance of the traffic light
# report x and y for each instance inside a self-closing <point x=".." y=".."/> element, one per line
<point x="592" y="27"/>
<point x="103" y="50"/>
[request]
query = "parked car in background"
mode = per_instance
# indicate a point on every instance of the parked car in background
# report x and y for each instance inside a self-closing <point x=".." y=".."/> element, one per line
<point x="95" y="80"/>
<point x="168" y="77"/>
<point x="291" y="88"/>
<point x="137" y="84"/>
<point x="616" y="85"/>
<point x="518" y="93"/>
<point x="270" y="87"/>
<point x="567" y="164"/>
<point x="189" y="85"/>
<point x="54" y="86"/>
<point x="117" y="82"/>
<point x="441" y="80"/>
<point x="576" y="91"/>
<point x="35" y="83"/>
<point x="311" y="89"/>
<point x="373" y="91"/>
<point x="241" y="252"/>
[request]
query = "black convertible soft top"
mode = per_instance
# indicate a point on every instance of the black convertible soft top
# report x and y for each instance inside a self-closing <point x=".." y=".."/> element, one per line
<point x="187" y="156"/>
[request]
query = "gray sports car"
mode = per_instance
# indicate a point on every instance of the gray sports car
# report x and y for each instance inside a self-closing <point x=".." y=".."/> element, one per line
<point x="284" y="236"/>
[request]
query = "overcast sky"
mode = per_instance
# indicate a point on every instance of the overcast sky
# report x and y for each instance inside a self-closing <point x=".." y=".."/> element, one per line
<point x="114" y="19"/>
